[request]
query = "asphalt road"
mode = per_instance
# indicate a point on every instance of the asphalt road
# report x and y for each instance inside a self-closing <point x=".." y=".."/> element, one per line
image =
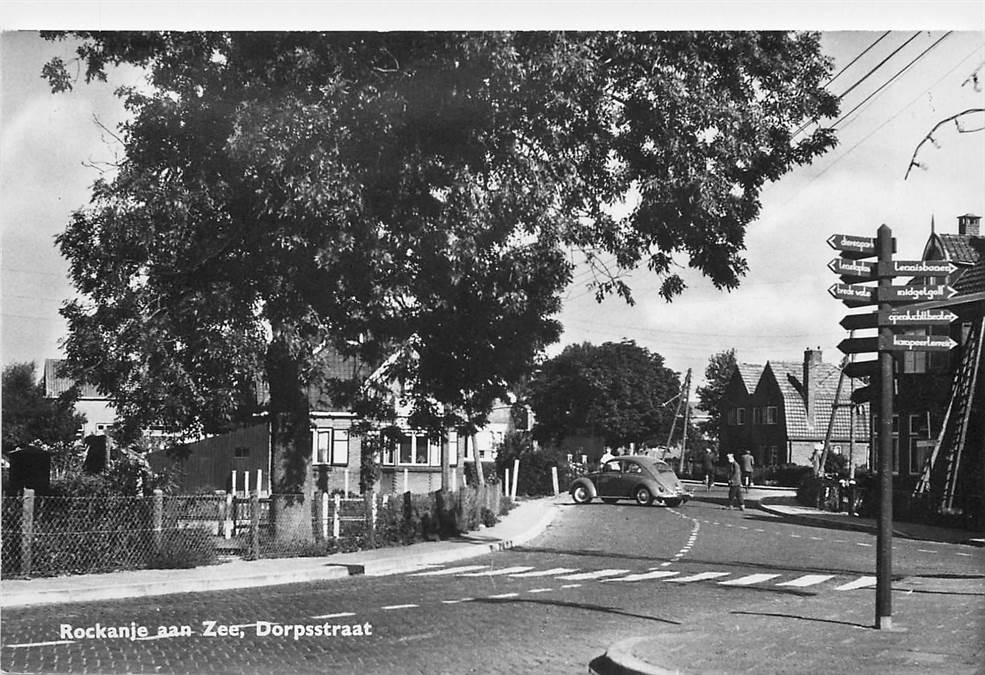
<point x="598" y="574"/>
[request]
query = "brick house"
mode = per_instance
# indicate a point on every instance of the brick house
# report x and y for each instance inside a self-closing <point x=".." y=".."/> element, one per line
<point x="781" y="411"/>
<point x="939" y="420"/>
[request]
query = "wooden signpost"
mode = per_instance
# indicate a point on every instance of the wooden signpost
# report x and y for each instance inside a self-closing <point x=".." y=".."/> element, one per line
<point x="891" y="314"/>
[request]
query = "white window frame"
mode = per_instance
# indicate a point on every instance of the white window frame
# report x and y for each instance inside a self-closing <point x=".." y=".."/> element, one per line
<point x="772" y="414"/>
<point x="330" y="446"/>
<point x="432" y="453"/>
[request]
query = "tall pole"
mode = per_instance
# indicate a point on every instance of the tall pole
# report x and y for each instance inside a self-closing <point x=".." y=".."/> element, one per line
<point x="687" y="409"/>
<point x="884" y="541"/>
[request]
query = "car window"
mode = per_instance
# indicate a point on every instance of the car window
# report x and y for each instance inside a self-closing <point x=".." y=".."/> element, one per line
<point x="612" y="465"/>
<point x="633" y="468"/>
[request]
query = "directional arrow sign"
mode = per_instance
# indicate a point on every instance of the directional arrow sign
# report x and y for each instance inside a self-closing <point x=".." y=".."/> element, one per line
<point x="919" y="343"/>
<point x="853" y="295"/>
<point x="853" y="247"/>
<point x="900" y="318"/>
<point x="862" y="369"/>
<point x="857" y="270"/>
<point x="860" y="321"/>
<point x="858" y="345"/>
<point x="918" y="268"/>
<point x="863" y="394"/>
<point x="914" y="293"/>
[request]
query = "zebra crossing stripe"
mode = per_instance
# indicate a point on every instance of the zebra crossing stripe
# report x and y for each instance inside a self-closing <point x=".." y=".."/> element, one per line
<point x="449" y="570"/>
<point x="748" y="580"/>
<point x="807" y="580"/>
<point x="861" y="582"/>
<point x="699" y="577"/>
<point x="645" y="576"/>
<point x="597" y="574"/>
<point x="497" y="573"/>
<point x="545" y="573"/>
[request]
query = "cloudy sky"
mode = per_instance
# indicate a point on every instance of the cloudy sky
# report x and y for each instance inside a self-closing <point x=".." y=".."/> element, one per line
<point x="52" y="147"/>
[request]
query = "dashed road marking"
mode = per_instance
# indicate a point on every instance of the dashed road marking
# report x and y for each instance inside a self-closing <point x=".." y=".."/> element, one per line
<point x="502" y="596"/>
<point x="748" y="580"/>
<point x="337" y="615"/>
<point x="644" y="576"/>
<point x="570" y="585"/>
<point x="701" y="576"/>
<point x="449" y="570"/>
<point x="807" y="580"/>
<point x="500" y="572"/>
<point x="545" y="573"/>
<point x="859" y="543"/>
<point x="393" y="607"/>
<point x="455" y="602"/>
<point x="540" y="590"/>
<point x="925" y="550"/>
<point x="40" y="644"/>
<point x="861" y="582"/>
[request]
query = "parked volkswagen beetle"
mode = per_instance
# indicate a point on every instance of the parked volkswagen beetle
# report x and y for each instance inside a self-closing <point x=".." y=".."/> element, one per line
<point x="637" y="477"/>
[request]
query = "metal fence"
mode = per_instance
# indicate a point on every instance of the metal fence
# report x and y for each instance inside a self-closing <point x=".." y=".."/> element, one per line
<point x="47" y="535"/>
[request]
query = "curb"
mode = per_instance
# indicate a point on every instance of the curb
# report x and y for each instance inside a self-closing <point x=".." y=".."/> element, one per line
<point x="30" y="597"/>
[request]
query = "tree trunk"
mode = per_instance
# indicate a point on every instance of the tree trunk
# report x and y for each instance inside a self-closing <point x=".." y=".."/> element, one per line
<point x="480" y="477"/>
<point x="291" y="478"/>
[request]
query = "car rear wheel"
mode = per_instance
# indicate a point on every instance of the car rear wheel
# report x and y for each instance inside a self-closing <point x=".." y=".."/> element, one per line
<point x="643" y="496"/>
<point x="672" y="502"/>
<point x="581" y="495"/>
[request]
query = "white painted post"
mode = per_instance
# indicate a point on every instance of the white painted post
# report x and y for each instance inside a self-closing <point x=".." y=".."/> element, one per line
<point x="465" y="482"/>
<point x="406" y="480"/>
<point x="324" y="515"/>
<point x="584" y="459"/>
<point x="554" y="480"/>
<point x="246" y="481"/>
<point x="234" y="482"/>
<point x="346" y="475"/>
<point x="260" y="482"/>
<point x="228" y="524"/>
<point x="516" y="476"/>
<point x="506" y="483"/>
<point x="336" y="517"/>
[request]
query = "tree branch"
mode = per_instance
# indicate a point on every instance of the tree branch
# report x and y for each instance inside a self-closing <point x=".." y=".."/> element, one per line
<point x="930" y="136"/>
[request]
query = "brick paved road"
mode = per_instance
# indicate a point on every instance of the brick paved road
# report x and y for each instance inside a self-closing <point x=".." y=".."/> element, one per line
<point x="541" y="608"/>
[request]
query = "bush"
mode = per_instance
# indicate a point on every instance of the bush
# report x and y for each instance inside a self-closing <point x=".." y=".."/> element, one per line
<point x="787" y="475"/>
<point x="535" y="465"/>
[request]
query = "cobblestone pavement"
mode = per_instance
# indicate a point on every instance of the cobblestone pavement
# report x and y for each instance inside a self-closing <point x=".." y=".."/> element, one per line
<point x="598" y="575"/>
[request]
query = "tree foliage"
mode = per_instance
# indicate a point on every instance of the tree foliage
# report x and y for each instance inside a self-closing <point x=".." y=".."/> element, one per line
<point x="617" y="391"/>
<point x="718" y="372"/>
<point x="28" y="416"/>
<point x="406" y="199"/>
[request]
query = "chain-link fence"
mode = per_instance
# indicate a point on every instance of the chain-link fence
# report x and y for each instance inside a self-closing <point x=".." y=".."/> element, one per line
<point x="45" y="535"/>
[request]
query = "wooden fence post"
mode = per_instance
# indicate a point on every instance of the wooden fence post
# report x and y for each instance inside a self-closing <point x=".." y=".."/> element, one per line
<point x="157" y="528"/>
<point x="255" y="525"/>
<point x="27" y="530"/>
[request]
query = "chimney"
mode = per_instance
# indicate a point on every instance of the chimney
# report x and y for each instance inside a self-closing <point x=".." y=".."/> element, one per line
<point x="970" y="224"/>
<point x="812" y="361"/>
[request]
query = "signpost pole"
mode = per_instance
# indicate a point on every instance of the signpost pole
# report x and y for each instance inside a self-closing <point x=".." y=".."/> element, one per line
<point x="884" y="542"/>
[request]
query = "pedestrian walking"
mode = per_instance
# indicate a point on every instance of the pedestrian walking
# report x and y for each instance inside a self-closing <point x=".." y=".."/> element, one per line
<point x="708" y="463"/>
<point x="747" y="463"/>
<point x="606" y="456"/>
<point x="735" y="499"/>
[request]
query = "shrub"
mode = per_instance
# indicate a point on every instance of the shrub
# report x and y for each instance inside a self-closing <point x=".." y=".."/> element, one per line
<point x="536" y="463"/>
<point x="787" y="475"/>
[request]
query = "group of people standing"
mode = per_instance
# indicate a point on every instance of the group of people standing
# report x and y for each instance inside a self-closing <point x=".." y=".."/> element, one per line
<point x="739" y="475"/>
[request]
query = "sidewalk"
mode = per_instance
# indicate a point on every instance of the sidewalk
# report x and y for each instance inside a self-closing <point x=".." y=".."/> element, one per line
<point x="524" y="522"/>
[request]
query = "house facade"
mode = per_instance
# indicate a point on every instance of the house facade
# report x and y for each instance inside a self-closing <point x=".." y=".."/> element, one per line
<point x="939" y="409"/>
<point x="783" y="410"/>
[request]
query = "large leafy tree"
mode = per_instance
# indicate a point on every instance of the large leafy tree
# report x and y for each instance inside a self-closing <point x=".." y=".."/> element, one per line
<point x="718" y="372"/>
<point x="617" y="391"/>
<point x="407" y="199"/>
<point x="29" y="416"/>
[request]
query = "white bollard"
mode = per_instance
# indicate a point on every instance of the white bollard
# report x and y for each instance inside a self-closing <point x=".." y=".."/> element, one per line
<point x="506" y="483"/>
<point x="227" y="527"/>
<point x="260" y="482"/>
<point x="346" y="474"/>
<point x="554" y="480"/>
<point x="246" y="481"/>
<point x="234" y="483"/>
<point x="324" y="515"/>
<point x="516" y="476"/>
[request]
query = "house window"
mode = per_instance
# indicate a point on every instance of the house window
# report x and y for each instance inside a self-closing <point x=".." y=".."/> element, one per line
<point x="771" y="414"/>
<point x="731" y="417"/>
<point x="914" y="362"/>
<point x="740" y="416"/>
<point x="416" y="449"/>
<point x="919" y="445"/>
<point x="757" y="415"/>
<point x="331" y="446"/>
<point x="241" y="452"/>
